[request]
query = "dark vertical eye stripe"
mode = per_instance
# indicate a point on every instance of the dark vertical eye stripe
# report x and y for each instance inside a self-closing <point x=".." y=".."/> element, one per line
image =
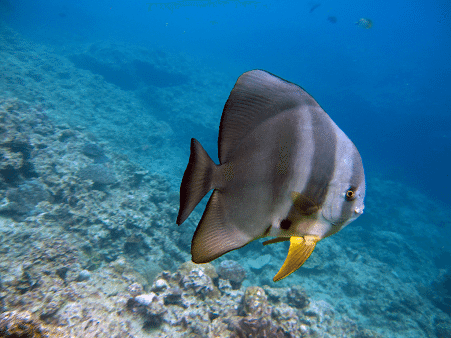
<point x="323" y="162"/>
<point x="355" y="180"/>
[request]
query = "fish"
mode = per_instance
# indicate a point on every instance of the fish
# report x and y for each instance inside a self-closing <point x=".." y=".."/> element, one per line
<point x="314" y="6"/>
<point x="332" y="19"/>
<point x="365" y="23"/>
<point x="285" y="171"/>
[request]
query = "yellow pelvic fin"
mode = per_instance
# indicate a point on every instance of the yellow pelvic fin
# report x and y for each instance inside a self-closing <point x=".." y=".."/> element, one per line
<point x="299" y="251"/>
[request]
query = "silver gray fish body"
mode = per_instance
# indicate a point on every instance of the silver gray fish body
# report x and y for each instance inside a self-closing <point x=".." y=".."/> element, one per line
<point x="286" y="170"/>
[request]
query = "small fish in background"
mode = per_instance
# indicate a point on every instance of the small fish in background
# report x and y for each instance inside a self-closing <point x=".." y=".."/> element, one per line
<point x="313" y="6"/>
<point x="332" y="19"/>
<point x="286" y="170"/>
<point x="364" y="23"/>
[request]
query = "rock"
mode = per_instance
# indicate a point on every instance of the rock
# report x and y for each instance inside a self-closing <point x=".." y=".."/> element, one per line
<point x="146" y="299"/>
<point x="150" y="306"/>
<point x="160" y="284"/>
<point x="135" y="289"/>
<point x="154" y="313"/>
<point x="232" y="271"/>
<point x="84" y="275"/>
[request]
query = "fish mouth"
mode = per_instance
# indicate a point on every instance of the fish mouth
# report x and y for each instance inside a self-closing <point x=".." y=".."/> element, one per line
<point x="359" y="210"/>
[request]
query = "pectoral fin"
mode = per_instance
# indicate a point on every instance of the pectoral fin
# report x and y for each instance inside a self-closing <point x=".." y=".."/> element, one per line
<point x="299" y="251"/>
<point x="303" y="204"/>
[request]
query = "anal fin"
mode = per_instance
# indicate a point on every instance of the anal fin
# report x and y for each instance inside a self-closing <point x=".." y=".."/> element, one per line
<point x="213" y="236"/>
<point x="299" y="251"/>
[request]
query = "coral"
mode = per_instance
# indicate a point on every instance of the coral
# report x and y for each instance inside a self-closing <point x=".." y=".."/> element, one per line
<point x="443" y="329"/>
<point x="15" y="148"/>
<point x="98" y="173"/>
<point x="150" y="306"/>
<point x="297" y="297"/>
<point x="198" y="281"/>
<point x="198" y="278"/>
<point x="16" y="324"/>
<point x="441" y="295"/>
<point x="224" y="286"/>
<point x="22" y="200"/>
<point x="232" y="271"/>
<point x="95" y="152"/>
<point x="173" y="296"/>
<point x="250" y="327"/>
<point x="11" y="161"/>
<point x="255" y="302"/>
<point x="92" y="150"/>
<point x="135" y="289"/>
<point x="207" y="268"/>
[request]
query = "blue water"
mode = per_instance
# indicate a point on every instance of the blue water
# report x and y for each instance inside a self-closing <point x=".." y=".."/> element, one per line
<point x="387" y="87"/>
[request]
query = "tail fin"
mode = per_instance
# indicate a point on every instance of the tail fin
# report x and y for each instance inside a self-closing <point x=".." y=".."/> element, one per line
<point x="197" y="180"/>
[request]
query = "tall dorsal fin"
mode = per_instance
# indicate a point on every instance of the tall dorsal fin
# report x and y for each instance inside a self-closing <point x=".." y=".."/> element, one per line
<point x="256" y="97"/>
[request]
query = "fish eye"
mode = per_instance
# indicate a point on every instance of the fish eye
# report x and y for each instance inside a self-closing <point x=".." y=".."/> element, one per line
<point x="350" y="194"/>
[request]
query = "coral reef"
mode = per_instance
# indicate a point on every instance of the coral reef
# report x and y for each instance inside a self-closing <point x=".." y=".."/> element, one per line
<point x="88" y="242"/>
<point x="84" y="271"/>
<point x="232" y="313"/>
<point x="98" y="173"/>
<point x="22" y="324"/>
<point x="441" y="292"/>
<point x="23" y="199"/>
<point x="443" y="327"/>
<point x="256" y="327"/>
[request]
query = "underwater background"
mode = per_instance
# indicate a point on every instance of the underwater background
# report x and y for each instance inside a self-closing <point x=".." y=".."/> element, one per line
<point x="98" y="103"/>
